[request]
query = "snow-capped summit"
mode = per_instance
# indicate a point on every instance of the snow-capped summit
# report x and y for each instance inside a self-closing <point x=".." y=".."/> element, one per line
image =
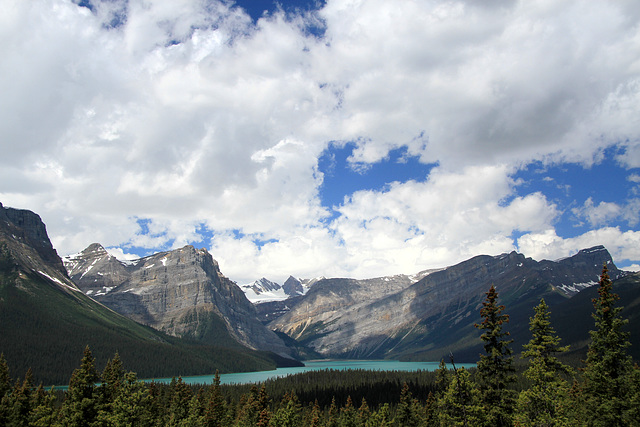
<point x="265" y="290"/>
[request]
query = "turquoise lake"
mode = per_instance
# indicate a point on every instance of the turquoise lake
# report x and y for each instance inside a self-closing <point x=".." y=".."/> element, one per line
<point x="256" y="377"/>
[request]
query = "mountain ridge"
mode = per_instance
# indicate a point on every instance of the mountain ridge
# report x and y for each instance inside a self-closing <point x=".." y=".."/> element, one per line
<point x="46" y="321"/>
<point x="180" y="292"/>
<point x="439" y="310"/>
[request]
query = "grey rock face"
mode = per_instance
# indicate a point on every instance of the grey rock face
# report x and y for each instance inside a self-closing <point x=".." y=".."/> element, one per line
<point x="176" y="292"/>
<point x="25" y="236"/>
<point x="355" y="318"/>
<point x="292" y="286"/>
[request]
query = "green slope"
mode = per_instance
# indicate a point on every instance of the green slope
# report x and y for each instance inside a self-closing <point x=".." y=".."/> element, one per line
<point x="45" y="327"/>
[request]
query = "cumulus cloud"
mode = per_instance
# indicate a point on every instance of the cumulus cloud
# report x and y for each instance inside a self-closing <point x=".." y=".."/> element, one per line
<point x="189" y="116"/>
<point x="548" y="245"/>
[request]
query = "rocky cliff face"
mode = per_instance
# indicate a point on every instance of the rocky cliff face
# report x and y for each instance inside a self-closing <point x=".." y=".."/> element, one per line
<point x="341" y="317"/>
<point x="180" y="292"/>
<point x="24" y="236"/>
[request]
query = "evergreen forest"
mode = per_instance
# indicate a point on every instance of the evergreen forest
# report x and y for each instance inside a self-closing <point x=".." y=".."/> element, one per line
<point x="538" y="388"/>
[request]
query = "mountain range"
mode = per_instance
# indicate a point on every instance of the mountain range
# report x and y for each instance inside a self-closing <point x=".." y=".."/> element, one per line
<point x="46" y="320"/>
<point x="174" y="312"/>
<point x="426" y="319"/>
<point x="181" y="292"/>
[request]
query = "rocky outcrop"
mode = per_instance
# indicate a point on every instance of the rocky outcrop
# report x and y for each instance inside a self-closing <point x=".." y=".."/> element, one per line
<point x="180" y="292"/>
<point x="348" y="318"/>
<point x="24" y="236"/>
<point x="293" y="286"/>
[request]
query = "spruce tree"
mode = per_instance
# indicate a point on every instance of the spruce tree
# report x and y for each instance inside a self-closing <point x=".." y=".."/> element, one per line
<point x="442" y="378"/>
<point x="607" y="370"/>
<point x="495" y="371"/>
<point x="5" y="390"/>
<point x="409" y="412"/>
<point x="80" y="406"/>
<point x="5" y="379"/>
<point x="348" y="414"/>
<point x="130" y="406"/>
<point x="364" y="413"/>
<point x="216" y="408"/>
<point x="460" y="404"/>
<point x="288" y="414"/>
<point x="381" y="417"/>
<point x="181" y="395"/>
<point x="540" y="404"/>
<point x="44" y="411"/>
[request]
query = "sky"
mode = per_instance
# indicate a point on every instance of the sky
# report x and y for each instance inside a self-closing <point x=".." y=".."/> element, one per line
<point x="338" y="138"/>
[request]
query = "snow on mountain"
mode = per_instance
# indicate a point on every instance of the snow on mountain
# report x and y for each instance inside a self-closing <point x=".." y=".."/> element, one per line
<point x="265" y="290"/>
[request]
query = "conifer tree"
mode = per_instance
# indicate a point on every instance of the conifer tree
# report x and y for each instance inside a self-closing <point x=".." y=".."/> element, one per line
<point x="381" y="417"/>
<point x="408" y="412"/>
<point x="348" y="414"/>
<point x="364" y="413"/>
<point x="608" y="366"/>
<point x="43" y="410"/>
<point x="288" y="414"/>
<point x="253" y="410"/>
<point x="5" y="380"/>
<point x="181" y="395"/>
<point x="216" y="410"/>
<point x="460" y="404"/>
<point x="442" y="378"/>
<point x="19" y="402"/>
<point x="5" y="389"/>
<point x="541" y="403"/>
<point x="495" y="371"/>
<point x="80" y="405"/>
<point x="332" y="416"/>
<point x="314" y="419"/>
<point x="632" y="415"/>
<point x="130" y="405"/>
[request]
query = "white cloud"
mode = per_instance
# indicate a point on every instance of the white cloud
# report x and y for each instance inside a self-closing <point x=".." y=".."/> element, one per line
<point x="186" y="114"/>
<point x="623" y="245"/>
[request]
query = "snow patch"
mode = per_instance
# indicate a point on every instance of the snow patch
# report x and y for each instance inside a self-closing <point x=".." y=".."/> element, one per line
<point x="576" y="287"/>
<point x="58" y="281"/>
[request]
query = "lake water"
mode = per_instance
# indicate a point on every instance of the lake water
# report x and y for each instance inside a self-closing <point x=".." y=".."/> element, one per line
<point x="316" y="365"/>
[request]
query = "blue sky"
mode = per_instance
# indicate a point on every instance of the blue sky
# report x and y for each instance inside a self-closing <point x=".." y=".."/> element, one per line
<point x="335" y="138"/>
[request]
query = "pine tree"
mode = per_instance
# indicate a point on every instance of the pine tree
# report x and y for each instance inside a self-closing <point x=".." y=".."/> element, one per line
<point x="288" y="414"/>
<point x="80" y="405"/>
<point x="460" y="404"/>
<point x="130" y="405"/>
<point x="181" y="395"/>
<point x="314" y="419"/>
<point x="5" y="389"/>
<point x="253" y="410"/>
<point x="19" y="402"/>
<point x="495" y="370"/>
<point x="632" y="415"/>
<point x="364" y="413"/>
<point x="43" y="412"/>
<point x="381" y="417"/>
<point x="5" y="379"/>
<point x="539" y="404"/>
<point x="608" y="367"/>
<point x="408" y="412"/>
<point x="216" y="408"/>
<point x="442" y="378"/>
<point x="348" y="414"/>
<point x="332" y="416"/>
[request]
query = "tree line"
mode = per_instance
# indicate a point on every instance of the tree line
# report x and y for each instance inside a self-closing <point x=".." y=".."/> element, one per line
<point x="603" y="391"/>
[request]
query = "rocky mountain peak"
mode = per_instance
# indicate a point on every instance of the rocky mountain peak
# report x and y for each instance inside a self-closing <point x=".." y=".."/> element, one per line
<point x="292" y="286"/>
<point x="181" y="292"/>
<point x="25" y="232"/>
